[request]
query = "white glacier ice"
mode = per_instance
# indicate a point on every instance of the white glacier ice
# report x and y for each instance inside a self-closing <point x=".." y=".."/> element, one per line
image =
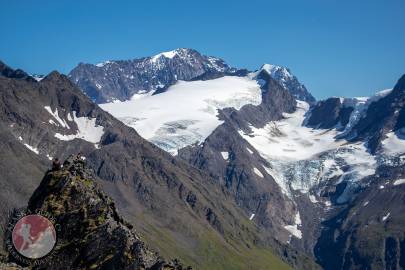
<point x="301" y="157"/>
<point x="187" y="112"/>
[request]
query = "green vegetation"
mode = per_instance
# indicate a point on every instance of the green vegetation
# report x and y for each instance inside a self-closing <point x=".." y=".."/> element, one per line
<point x="210" y="251"/>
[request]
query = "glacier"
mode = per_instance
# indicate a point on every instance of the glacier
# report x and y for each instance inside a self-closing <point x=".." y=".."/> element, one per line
<point x="187" y="113"/>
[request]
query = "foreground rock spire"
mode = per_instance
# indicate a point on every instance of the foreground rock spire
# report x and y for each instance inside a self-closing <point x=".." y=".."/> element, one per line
<point x="91" y="234"/>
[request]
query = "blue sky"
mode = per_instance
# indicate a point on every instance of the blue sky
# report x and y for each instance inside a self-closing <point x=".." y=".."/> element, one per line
<point x="335" y="47"/>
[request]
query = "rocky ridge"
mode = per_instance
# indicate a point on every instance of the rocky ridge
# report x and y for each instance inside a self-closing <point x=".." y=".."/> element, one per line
<point x="121" y="79"/>
<point x="92" y="234"/>
<point x="124" y="79"/>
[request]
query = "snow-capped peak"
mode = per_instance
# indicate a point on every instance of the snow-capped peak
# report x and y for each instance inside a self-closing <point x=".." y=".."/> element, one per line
<point x="181" y="52"/>
<point x="286" y="79"/>
<point x="102" y="64"/>
<point x="278" y="71"/>
<point x="169" y="54"/>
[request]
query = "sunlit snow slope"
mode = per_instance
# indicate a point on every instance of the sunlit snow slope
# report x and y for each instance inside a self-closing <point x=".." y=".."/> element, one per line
<point x="302" y="157"/>
<point x="187" y="112"/>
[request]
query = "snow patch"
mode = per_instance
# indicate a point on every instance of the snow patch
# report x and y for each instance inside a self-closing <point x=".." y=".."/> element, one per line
<point x="394" y="144"/>
<point x="103" y="64"/>
<point x="252" y="216"/>
<point x="55" y="115"/>
<point x="169" y="54"/>
<point x="386" y="217"/>
<point x="366" y="203"/>
<point x="257" y="172"/>
<point x="312" y="198"/>
<point x="399" y="182"/>
<point x="225" y="155"/>
<point x="69" y="117"/>
<point x="87" y="130"/>
<point x="33" y="149"/>
<point x="293" y="229"/>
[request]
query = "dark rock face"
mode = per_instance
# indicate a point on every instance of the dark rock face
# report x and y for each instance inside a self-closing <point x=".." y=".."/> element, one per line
<point x="329" y="113"/>
<point x="122" y="79"/>
<point x="284" y="77"/>
<point x="275" y="101"/>
<point x="8" y="72"/>
<point x="92" y="234"/>
<point x="368" y="233"/>
<point x="382" y="116"/>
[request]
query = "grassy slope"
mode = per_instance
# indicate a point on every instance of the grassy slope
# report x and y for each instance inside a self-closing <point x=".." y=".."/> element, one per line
<point x="208" y="250"/>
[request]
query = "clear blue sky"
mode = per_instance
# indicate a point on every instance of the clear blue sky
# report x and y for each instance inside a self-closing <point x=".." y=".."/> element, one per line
<point x="335" y="47"/>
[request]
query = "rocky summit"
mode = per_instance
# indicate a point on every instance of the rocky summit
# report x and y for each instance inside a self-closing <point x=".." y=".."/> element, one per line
<point x="92" y="234"/>
<point x="121" y="79"/>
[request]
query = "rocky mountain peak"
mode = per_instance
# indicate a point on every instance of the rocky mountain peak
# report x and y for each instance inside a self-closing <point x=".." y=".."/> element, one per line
<point x="121" y="79"/>
<point x="400" y="86"/>
<point x="180" y="52"/>
<point x="6" y="71"/>
<point x="285" y="78"/>
<point x="55" y="76"/>
<point x="92" y="233"/>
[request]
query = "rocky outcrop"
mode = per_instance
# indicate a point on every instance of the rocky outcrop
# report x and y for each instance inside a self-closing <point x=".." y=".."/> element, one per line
<point x="284" y="77"/>
<point x="92" y="234"/>
<point x="8" y="72"/>
<point x="329" y="113"/>
<point x="382" y="116"/>
<point x="369" y="232"/>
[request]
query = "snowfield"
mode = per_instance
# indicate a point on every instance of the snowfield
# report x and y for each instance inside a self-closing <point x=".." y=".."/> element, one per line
<point x="302" y="157"/>
<point x="394" y="144"/>
<point x="293" y="229"/>
<point x="289" y="140"/>
<point x="187" y="112"/>
<point x="88" y="130"/>
<point x="399" y="182"/>
<point x="33" y="149"/>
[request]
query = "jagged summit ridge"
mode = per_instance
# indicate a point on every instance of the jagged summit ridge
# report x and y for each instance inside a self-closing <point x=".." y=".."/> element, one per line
<point x="114" y="80"/>
<point x="121" y="79"/>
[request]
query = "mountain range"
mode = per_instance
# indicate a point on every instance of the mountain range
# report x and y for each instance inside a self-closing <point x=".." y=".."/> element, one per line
<point x="223" y="168"/>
